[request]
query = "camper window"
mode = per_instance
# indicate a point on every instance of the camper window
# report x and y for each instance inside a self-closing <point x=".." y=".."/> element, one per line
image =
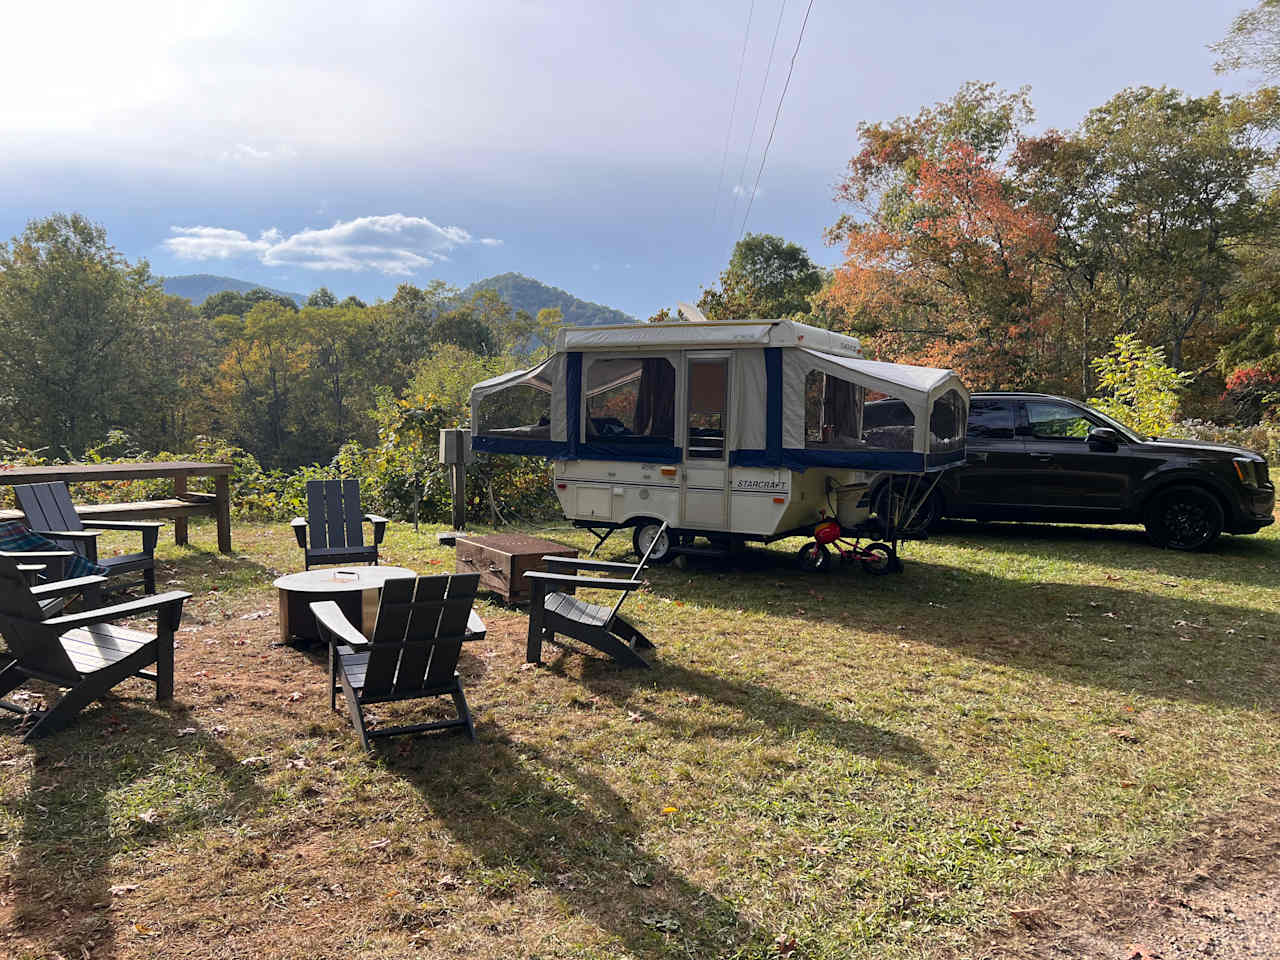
<point x="522" y="409"/>
<point x="947" y="423"/>
<point x="631" y="400"/>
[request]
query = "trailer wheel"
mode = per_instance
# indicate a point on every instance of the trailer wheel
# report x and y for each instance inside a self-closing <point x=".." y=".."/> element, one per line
<point x="643" y="537"/>
<point x="813" y="558"/>
<point x="878" y="559"/>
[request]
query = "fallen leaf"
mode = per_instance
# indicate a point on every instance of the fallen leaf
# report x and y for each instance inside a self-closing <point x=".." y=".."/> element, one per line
<point x="666" y="810"/>
<point x="148" y="816"/>
<point x="635" y="717"/>
<point x="379" y="844"/>
<point x="255" y="761"/>
<point x="256" y="615"/>
<point x="186" y="731"/>
<point x="119" y="889"/>
<point x="143" y="929"/>
<point x="1127" y="734"/>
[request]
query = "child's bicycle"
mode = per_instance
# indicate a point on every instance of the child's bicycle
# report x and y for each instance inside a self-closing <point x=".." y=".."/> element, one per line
<point x="874" y="558"/>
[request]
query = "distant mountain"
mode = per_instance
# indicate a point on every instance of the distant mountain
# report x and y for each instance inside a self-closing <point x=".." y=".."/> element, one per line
<point x="525" y="293"/>
<point x="199" y="287"/>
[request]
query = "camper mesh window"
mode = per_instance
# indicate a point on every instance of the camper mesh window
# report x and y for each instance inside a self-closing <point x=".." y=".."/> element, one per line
<point x="947" y="423"/>
<point x="522" y="409"/>
<point x="631" y="399"/>
<point x="839" y="415"/>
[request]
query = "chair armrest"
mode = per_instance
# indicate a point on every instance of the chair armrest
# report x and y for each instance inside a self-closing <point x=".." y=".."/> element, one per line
<point x="23" y="555"/>
<point x="58" y="588"/>
<point x="379" y="527"/>
<point x="150" y="530"/>
<point x="583" y="563"/>
<point x="332" y="621"/>
<point x="121" y="611"/>
<point x="299" y="531"/>
<point x="87" y="536"/>
<point x="475" y="627"/>
<point x="600" y="583"/>
<point x="124" y="524"/>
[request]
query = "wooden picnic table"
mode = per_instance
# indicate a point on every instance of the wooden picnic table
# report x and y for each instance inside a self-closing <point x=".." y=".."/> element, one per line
<point x="179" y="507"/>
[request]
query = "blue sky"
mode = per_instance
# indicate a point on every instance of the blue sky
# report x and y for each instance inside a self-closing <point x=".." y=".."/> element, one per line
<point x="362" y="145"/>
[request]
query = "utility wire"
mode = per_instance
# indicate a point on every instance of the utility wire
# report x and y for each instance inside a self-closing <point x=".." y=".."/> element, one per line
<point x="759" y="103"/>
<point x="777" y="113"/>
<point x="724" y="158"/>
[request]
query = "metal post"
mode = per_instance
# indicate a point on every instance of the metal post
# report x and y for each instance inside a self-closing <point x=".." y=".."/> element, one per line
<point x="455" y="453"/>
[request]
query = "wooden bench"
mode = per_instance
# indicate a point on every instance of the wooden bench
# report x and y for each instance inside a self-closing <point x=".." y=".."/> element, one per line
<point x="178" y="508"/>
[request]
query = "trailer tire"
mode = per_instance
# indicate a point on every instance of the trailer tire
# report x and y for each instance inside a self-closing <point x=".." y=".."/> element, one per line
<point x="643" y="536"/>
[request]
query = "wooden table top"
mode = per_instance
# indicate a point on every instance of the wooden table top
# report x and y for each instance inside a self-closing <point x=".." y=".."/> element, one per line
<point x="516" y="544"/>
<point x="83" y="472"/>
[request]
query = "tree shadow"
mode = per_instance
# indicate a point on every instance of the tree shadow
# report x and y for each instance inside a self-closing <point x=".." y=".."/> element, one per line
<point x="77" y="815"/>
<point x="1095" y="635"/>
<point x="535" y="815"/>
<point x="1246" y="559"/>
<point x="757" y="705"/>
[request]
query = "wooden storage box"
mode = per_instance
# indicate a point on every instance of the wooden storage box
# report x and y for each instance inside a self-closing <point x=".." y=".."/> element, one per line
<point x="502" y="560"/>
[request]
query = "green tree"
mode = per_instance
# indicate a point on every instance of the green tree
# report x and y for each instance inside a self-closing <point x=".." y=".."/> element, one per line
<point x="322" y="298"/>
<point x="464" y="329"/>
<point x="237" y="304"/>
<point x="1253" y="43"/>
<point x="70" y="331"/>
<point x="1138" y="387"/>
<point x="767" y="277"/>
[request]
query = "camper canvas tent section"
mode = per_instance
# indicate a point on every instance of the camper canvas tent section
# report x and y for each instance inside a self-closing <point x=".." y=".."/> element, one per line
<point x="739" y="429"/>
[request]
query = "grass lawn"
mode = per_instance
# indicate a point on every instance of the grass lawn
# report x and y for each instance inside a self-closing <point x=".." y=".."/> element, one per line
<point x="820" y="766"/>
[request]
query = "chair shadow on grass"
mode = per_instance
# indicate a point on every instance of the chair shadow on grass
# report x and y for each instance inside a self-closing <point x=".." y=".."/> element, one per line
<point x="1167" y="644"/>
<point x="757" y="704"/>
<point x="543" y="818"/>
<point x="76" y="816"/>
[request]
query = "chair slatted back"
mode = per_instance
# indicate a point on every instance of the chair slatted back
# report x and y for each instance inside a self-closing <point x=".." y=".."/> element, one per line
<point x="635" y="574"/>
<point x="334" y="516"/>
<point x="33" y="644"/>
<point x="48" y="506"/>
<point x="418" y="634"/>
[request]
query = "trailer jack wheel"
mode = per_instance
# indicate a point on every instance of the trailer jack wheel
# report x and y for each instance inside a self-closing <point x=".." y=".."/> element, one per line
<point x="643" y="537"/>
<point x="879" y="559"/>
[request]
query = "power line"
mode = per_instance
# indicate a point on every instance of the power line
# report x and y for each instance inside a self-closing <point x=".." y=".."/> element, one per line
<point x="724" y="158"/>
<point x="777" y="113"/>
<point x="759" y="103"/>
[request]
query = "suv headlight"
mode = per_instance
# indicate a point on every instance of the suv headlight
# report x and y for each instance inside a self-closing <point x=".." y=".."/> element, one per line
<point x="1246" y="470"/>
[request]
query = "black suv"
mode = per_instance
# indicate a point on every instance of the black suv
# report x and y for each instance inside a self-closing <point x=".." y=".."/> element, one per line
<point x="1042" y="458"/>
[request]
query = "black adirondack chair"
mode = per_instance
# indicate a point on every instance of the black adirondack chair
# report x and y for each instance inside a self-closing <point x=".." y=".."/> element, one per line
<point x="46" y="567"/>
<point x="51" y="513"/>
<point x="552" y="611"/>
<point x="417" y="637"/>
<point x="82" y="651"/>
<point x="336" y="524"/>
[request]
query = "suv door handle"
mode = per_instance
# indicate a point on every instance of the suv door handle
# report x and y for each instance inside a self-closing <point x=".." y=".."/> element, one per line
<point x="976" y="457"/>
<point x="1042" y="457"/>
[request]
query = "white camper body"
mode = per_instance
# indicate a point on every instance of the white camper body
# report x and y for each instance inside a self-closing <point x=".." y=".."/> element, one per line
<point x="734" y="431"/>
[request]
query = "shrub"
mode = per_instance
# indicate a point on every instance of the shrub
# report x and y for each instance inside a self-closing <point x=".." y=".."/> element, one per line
<point x="1139" y="388"/>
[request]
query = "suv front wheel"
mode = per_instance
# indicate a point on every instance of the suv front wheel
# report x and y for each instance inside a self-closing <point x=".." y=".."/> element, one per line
<point x="1184" y="518"/>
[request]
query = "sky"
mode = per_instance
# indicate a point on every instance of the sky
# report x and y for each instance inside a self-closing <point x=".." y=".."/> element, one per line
<point x="359" y="146"/>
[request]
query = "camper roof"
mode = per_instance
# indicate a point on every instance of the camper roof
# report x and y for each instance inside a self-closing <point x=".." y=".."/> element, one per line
<point x="710" y="335"/>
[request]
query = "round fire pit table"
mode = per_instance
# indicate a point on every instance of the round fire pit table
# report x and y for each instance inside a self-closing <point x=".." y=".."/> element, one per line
<point x="354" y="589"/>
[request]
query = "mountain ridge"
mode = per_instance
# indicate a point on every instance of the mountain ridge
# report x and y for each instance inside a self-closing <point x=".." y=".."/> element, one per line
<point x="198" y="287"/>
<point x="526" y="293"/>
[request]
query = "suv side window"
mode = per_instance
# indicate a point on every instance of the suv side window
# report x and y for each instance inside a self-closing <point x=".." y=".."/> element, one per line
<point x="1056" y="421"/>
<point x="990" y="420"/>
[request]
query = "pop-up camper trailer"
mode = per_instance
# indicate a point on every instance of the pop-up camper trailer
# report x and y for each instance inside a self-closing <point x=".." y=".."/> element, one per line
<point x="730" y="431"/>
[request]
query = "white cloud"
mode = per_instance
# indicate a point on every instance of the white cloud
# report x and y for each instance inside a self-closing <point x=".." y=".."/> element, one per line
<point x="393" y="244"/>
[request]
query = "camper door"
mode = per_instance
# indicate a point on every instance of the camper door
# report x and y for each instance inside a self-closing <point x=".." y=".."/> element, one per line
<point x="706" y="467"/>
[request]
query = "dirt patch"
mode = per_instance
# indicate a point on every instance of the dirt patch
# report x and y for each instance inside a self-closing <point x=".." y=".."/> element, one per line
<point x="1215" y="894"/>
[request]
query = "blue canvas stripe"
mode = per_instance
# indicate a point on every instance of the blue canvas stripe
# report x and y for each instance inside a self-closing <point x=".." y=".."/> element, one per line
<point x="773" y="405"/>
<point x="573" y="402"/>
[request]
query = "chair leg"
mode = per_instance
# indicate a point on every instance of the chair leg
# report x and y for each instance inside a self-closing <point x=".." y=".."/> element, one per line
<point x="164" y="666"/>
<point x="628" y="631"/>
<point x="464" y="714"/>
<point x="357" y="714"/>
<point x="64" y="711"/>
<point x="11" y="678"/>
<point x="149" y="580"/>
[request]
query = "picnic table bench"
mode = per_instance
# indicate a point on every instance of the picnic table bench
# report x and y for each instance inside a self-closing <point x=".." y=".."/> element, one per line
<point x="182" y="505"/>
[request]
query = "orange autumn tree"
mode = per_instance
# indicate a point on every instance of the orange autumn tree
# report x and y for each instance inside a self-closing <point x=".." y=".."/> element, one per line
<point x="946" y="263"/>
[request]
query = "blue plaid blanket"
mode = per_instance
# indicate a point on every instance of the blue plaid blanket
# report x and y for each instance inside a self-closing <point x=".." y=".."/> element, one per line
<point x="16" y="536"/>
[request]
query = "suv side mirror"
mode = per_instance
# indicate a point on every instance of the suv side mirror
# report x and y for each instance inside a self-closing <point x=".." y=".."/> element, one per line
<point x="1104" y="438"/>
